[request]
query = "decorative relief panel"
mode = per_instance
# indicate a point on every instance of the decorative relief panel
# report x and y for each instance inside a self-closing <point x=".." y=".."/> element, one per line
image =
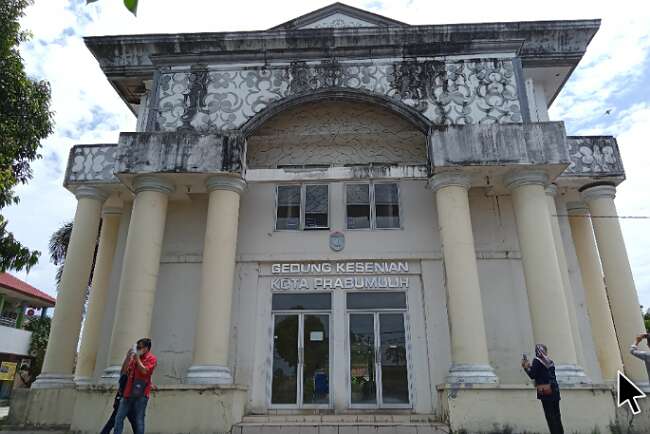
<point x="594" y="156"/>
<point x="338" y="20"/>
<point x="336" y="133"/>
<point x="447" y="93"/>
<point x="91" y="163"/>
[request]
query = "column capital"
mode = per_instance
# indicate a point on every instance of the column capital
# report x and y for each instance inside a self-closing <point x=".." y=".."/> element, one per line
<point x="225" y="182"/>
<point x="152" y="183"/>
<point x="89" y="192"/>
<point x="446" y="179"/>
<point x="520" y="178"/>
<point x="551" y="190"/>
<point x="577" y="208"/>
<point x="598" y="192"/>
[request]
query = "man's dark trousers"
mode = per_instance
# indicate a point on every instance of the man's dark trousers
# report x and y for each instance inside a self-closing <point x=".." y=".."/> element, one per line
<point x="136" y="406"/>
<point x="111" y="420"/>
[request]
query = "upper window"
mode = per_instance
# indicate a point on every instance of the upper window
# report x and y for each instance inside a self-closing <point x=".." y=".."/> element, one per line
<point x="372" y="206"/>
<point x="303" y="207"/>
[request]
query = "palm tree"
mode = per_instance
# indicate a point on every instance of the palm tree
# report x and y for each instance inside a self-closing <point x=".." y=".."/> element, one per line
<point x="59" y="248"/>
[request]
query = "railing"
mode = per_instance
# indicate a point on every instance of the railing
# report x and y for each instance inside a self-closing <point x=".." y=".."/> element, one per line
<point x="8" y="321"/>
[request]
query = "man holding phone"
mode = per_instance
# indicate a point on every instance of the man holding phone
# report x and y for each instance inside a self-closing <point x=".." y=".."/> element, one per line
<point x="138" y="386"/>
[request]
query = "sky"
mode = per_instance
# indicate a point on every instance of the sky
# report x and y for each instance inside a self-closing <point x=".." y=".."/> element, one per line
<point x="613" y="76"/>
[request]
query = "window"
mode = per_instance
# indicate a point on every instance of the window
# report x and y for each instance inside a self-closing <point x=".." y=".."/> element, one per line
<point x="316" y="205"/>
<point x="386" y="206"/>
<point x="357" y="198"/>
<point x="303" y="207"/>
<point x="376" y="300"/>
<point x="372" y="206"/>
<point x="301" y="301"/>
<point x="288" y="211"/>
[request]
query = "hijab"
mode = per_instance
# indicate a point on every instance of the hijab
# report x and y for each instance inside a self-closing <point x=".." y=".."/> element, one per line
<point x="541" y="354"/>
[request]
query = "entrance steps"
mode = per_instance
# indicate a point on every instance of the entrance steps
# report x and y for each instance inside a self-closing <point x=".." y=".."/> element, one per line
<point x="341" y="424"/>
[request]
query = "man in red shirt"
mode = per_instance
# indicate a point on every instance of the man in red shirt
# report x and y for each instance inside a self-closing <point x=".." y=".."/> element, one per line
<point x="141" y="365"/>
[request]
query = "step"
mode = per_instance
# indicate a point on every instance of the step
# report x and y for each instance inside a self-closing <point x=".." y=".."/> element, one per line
<point x="341" y="424"/>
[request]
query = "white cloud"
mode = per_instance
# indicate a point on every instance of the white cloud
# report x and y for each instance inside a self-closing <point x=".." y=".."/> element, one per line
<point x="89" y="111"/>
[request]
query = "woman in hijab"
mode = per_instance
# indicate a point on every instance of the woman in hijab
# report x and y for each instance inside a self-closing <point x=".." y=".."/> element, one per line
<point x="542" y="371"/>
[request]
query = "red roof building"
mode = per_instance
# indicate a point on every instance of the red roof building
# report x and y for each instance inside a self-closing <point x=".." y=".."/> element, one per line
<point x="13" y="287"/>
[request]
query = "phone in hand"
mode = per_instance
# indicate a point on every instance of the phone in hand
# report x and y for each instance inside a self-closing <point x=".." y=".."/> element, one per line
<point x="524" y="357"/>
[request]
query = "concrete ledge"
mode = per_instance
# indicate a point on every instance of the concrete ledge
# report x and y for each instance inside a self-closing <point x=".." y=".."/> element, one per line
<point x="179" y="152"/>
<point x="529" y="144"/>
<point x="172" y="408"/>
<point x="478" y="408"/>
<point x="42" y="408"/>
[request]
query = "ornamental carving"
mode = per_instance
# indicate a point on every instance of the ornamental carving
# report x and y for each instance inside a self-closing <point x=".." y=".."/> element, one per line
<point x="447" y="93"/>
<point x="593" y="156"/>
<point x="91" y="163"/>
<point x="336" y="133"/>
<point x="337" y="21"/>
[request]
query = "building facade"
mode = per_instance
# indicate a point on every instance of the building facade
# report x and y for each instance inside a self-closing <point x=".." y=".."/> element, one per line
<point x="345" y="217"/>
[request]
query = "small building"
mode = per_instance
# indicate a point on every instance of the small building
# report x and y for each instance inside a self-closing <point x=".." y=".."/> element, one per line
<point x="18" y="302"/>
<point x="344" y="220"/>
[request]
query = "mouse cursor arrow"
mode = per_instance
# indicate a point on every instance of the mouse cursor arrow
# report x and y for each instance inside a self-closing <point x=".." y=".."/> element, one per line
<point x="628" y="392"/>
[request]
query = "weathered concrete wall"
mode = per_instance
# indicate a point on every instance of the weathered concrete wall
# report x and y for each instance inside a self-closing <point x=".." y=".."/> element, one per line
<point x="42" y="408"/>
<point x="479" y="409"/>
<point x="542" y="144"/>
<point x="171" y="410"/>
<point x="179" y="152"/>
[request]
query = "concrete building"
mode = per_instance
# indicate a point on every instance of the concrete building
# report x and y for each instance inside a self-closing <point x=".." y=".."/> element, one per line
<point x="344" y="220"/>
<point x="19" y="301"/>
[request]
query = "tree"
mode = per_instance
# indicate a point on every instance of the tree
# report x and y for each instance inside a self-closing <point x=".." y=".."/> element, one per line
<point x="131" y="5"/>
<point x="25" y="120"/>
<point x="58" y="248"/>
<point x="40" y="328"/>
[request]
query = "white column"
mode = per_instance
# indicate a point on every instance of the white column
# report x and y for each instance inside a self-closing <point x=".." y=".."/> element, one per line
<point x="66" y="324"/>
<point x="212" y="339"/>
<point x="97" y="300"/>
<point x="469" y="352"/>
<point x="600" y="316"/>
<point x="140" y="269"/>
<point x="551" y="193"/>
<point x="623" y="298"/>
<point x="548" y="307"/>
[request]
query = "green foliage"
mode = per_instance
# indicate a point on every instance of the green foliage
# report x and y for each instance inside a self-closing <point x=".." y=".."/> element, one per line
<point x="131" y="5"/>
<point x="59" y="248"/>
<point x="25" y="119"/>
<point x="40" y="328"/>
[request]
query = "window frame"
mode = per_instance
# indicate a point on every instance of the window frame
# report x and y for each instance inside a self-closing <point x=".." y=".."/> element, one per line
<point x="373" y="207"/>
<point x="303" y="198"/>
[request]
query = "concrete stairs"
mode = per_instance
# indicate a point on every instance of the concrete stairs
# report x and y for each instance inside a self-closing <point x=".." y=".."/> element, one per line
<point x="341" y="424"/>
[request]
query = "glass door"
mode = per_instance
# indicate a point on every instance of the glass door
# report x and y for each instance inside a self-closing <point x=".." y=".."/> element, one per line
<point x="301" y="354"/>
<point x="378" y="360"/>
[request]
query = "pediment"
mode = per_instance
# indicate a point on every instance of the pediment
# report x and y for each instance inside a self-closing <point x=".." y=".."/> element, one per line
<point x="338" y="15"/>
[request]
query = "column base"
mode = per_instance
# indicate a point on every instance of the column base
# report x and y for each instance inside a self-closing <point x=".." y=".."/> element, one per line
<point x="208" y="374"/>
<point x="571" y="374"/>
<point x="79" y="381"/>
<point x="111" y="375"/>
<point x="53" y="381"/>
<point x="468" y="373"/>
